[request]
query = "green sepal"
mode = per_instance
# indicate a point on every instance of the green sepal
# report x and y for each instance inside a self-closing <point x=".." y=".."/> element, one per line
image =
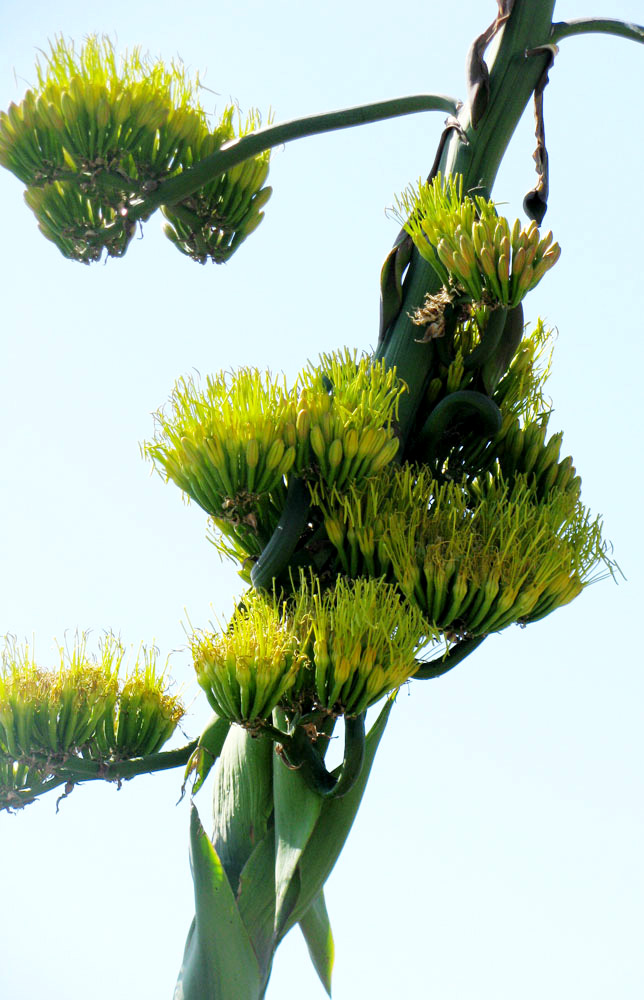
<point x="242" y="799"/>
<point x="316" y="928"/>
<point x="297" y="809"/>
<point x="333" y="826"/>
<point x="219" y="962"/>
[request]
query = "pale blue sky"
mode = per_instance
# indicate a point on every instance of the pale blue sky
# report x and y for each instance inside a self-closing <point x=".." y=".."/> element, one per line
<point x="497" y="854"/>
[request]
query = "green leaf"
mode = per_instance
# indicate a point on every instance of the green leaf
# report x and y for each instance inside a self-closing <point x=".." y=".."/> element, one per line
<point x="297" y="808"/>
<point x="219" y="962"/>
<point x="256" y="900"/>
<point x="242" y="799"/>
<point x="332" y="828"/>
<point x="318" y="935"/>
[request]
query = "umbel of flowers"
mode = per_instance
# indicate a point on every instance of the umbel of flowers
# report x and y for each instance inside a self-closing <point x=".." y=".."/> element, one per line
<point x="235" y="444"/>
<point x="52" y="720"/>
<point x="96" y="136"/>
<point x="473" y="524"/>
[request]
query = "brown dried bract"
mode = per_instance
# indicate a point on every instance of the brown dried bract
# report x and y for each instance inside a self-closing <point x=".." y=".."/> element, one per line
<point x="431" y="315"/>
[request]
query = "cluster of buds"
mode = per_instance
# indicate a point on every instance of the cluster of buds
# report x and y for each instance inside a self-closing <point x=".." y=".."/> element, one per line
<point x="48" y="718"/>
<point x="469" y="245"/>
<point x="355" y="524"/>
<point x="350" y="410"/>
<point x="228" y="445"/>
<point x="476" y="557"/>
<point x="95" y="137"/>
<point x="232" y="445"/>
<point x="337" y="652"/>
<point x="247" y="669"/>
<point x="20" y="783"/>
<point x="213" y="222"/>
<point x="365" y="640"/>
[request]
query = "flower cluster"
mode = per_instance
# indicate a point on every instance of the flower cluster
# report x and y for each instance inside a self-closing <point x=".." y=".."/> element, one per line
<point x="336" y="652"/>
<point x="470" y="246"/>
<point x="80" y="710"/>
<point x="232" y="444"/>
<point x="98" y="135"/>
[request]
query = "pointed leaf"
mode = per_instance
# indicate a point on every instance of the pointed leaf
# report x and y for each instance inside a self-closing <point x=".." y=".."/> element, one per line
<point x="316" y="928"/>
<point x="256" y="901"/>
<point x="242" y="799"/>
<point x="332" y="828"/>
<point x="219" y="962"/>
<point x="297" y="808"/>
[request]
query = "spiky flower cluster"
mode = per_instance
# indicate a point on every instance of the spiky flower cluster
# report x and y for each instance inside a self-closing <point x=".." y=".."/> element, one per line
<point x="521" y="445"/>
<point x="97" y="135"/>
<point x="469" y="245"/>
<point x="232" y="444"/>
<point x="247" y="669"/>
<point x="337" y="652"/>
<point x="49" y="718"/>
<point x="476" y="558"/>
<point x="365" y="641"/>
<point x="214" y="221"/>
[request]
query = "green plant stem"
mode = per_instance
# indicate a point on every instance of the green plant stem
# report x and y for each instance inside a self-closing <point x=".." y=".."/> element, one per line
<point x="231" y="153"/>
<point x="455" y="654"/>
<point x="78" y="769"/>
<point x="122" y="770"/>
<point x="596" y="26"/>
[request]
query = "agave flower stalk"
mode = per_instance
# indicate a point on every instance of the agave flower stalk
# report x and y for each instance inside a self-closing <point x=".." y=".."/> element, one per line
<point x="377" y="507"/>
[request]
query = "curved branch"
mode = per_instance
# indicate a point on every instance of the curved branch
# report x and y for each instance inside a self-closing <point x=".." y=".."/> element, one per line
<point x="79" y="769"/>
<point x="327" y="784"/>
<point x="231" y="153"/>
<point x="122" y="770"/>
<point x="456" y="653"/>
<point x="599" y="26"/>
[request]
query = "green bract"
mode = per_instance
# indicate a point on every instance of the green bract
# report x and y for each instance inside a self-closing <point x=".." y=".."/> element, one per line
<point x="97" y="135"/>
<point x="470" y="246"/>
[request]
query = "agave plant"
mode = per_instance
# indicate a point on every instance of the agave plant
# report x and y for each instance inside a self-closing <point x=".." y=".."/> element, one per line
<point x="387" y="512"/>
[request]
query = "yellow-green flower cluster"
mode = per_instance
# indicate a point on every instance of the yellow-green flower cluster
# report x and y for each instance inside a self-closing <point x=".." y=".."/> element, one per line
<point x="17" y="780"/>
<point x="338" y="651"/>
<point x="228" y="445"/>
<point x="48" y="717"/>
<point x="96" y="135"/>
<point x="248" y="668"/>
<point x="145" y="714"/>
<point x="477" y="557"/>
<point x="232" y="444"/>
<point x="365" y="639"/>
<point x="213" y="222"/>
<point x="350" y="407"/>
<point x="522" y="446"/>
<point x="469" y="245"/>
<point x="355" y="522"/>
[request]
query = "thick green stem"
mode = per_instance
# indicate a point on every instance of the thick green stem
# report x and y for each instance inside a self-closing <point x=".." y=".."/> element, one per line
<point x="231" y="153"/>
<point x="77" y="769"/>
